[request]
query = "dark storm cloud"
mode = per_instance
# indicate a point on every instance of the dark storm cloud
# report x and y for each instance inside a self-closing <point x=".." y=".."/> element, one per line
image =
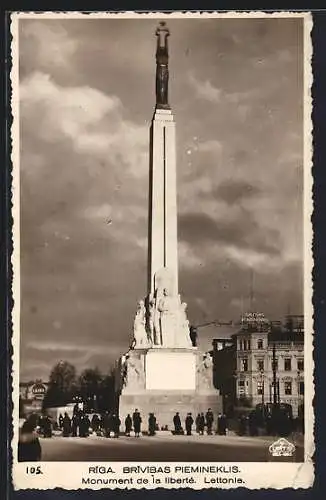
<point x="87" y="98"/>
<point x="235" y="192"/>
<point x="198" y="229"/>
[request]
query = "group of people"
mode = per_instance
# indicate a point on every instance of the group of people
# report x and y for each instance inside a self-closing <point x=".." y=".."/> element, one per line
<point x="107" y="424"/>
<point x="201" y="422"/>
<point x="277" y="423"/>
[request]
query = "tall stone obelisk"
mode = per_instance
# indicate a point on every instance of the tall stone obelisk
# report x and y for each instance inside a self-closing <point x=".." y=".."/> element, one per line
<point x="162" y="237"/>
<point x="163" y="372"/>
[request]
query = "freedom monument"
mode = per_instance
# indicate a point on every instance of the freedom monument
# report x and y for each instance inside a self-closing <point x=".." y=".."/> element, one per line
<point x="163" y="372"/>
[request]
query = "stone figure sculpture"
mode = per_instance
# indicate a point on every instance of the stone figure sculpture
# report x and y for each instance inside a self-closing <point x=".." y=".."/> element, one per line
<point x="167" y="310"/>
<point x="140" y="338"/>
<point x="162" y="71"/>
<point x="183" y="327"/>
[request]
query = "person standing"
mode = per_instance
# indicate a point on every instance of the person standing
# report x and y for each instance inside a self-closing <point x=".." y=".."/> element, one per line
<point x="177" y="423"/>
<point x="47" y="426"/>
<point x="201" y="424"/>
<point x="209" y="421"/>
<point x="136" y="420"/>
<point x="128" y="425"/>
<point x="74" y="425"/>
<point x="116" y="422"/>
<point x="106" y="424"/>
<point x="151" y="424"/>
<point x="197" y="422"/>
<point x="66" y="425"/>
<point x="95" y="424"/>
<point x="60" y="421"/>
<point x="29" y="448"/>
<point x="188" y="423"/>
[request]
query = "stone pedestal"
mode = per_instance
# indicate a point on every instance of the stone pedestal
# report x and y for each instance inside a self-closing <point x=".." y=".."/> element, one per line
<point x="164" y="381"/>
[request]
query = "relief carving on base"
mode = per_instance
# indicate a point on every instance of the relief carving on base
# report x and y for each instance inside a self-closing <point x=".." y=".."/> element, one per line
<point x="205" y="372"/>
<point x="133" y="372"/>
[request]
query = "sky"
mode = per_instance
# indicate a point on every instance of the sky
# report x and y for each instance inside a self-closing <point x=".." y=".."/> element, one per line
<point x="87" y="96"/>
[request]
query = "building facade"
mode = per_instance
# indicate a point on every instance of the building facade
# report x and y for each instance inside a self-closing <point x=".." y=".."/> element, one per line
<point x="264" y="364"/>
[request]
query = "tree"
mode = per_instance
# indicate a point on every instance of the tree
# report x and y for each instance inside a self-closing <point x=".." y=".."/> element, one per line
<point x="62" y="383"/>
<point x="89" y="386"/>
<point x="107" y="396"/>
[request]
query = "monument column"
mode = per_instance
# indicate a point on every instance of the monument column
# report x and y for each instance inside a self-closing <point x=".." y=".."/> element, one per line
<point x="162" y="372"/>
<point x="162" y="237"/>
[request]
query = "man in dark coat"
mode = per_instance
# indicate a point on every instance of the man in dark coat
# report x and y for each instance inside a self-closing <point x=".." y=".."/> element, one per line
<point x="47" y="427"/>
<point x="201" y="424"/>
<point x="106" y="424"/>
<point x="84" y="426"/>
<point x="75" y="424"/>
<point x="253" y="426"/>
<point x="116" y="422"/>
<point x="177" y="423"/>
<point x="95" y="423"/>
<point x="66" y="425"/>
<point x="209" y="421"/>
<point x="128" y="425"/>
<point x="136" y="420"/>
<point x="29" y="448"/>
<point x="188" y="423"/>
<point x="151" y="424"/>
<point x="221" y="425"/>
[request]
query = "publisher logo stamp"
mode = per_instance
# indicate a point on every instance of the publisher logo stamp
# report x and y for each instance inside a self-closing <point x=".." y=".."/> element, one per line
<point x="282" y="448"/>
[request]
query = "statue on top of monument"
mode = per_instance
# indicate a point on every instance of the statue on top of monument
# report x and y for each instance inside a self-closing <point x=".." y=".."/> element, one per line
<point x="162" y="71"/>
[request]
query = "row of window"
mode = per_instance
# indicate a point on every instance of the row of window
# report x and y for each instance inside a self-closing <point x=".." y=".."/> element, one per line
<point x="260" y="364"/>
<point x="288" y="387"/>
<point x="245" y="344"/>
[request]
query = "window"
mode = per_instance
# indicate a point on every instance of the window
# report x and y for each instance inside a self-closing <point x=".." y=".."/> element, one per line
<point x="260" y="365"/>
<point x="241" y="383"/>
<point x="300" y="365"/>
<point x="287" y="364"/>
<point x="260" y="344"/>
<point x="301" y="388"/>
<point x="288" y="388"/>
<point x="244" y="364"/>
<point x="245" y="345"/>
<point x="249" y="345"/>
<point x="240" y="345"/>
<point x="260" y="387"/>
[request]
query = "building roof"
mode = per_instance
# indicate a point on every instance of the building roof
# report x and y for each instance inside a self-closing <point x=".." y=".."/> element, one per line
<point x="206" y="334"/>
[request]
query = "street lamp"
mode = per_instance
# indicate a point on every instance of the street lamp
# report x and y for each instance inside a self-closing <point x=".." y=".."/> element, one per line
<point x="262" y="388"/>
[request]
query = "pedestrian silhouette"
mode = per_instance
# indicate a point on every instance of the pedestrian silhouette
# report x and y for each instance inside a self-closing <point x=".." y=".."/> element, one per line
<point x="128" y="425"/>
<point x="29" y="448"/>
<point x="136" y="420"/>
<point x="188" y="424"/>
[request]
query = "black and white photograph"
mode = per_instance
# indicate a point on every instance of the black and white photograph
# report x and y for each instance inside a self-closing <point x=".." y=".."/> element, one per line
<point x="162" y="250"/>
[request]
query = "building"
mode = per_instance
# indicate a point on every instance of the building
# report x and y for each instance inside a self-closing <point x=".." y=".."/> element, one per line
<point x="31" y="395"/>
<point x="263" y="364"/>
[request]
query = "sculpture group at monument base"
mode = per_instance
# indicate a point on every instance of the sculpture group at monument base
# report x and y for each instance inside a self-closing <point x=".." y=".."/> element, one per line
<point x="164" y="381"/>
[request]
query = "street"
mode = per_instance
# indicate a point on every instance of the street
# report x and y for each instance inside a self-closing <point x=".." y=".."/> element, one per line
<point x="163" y="447"/>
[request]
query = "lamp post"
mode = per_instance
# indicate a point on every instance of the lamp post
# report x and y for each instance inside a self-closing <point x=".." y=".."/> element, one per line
<point x="274" y="378"/>
<point x="262" y="388"/>
<point x="298" y="385"/>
